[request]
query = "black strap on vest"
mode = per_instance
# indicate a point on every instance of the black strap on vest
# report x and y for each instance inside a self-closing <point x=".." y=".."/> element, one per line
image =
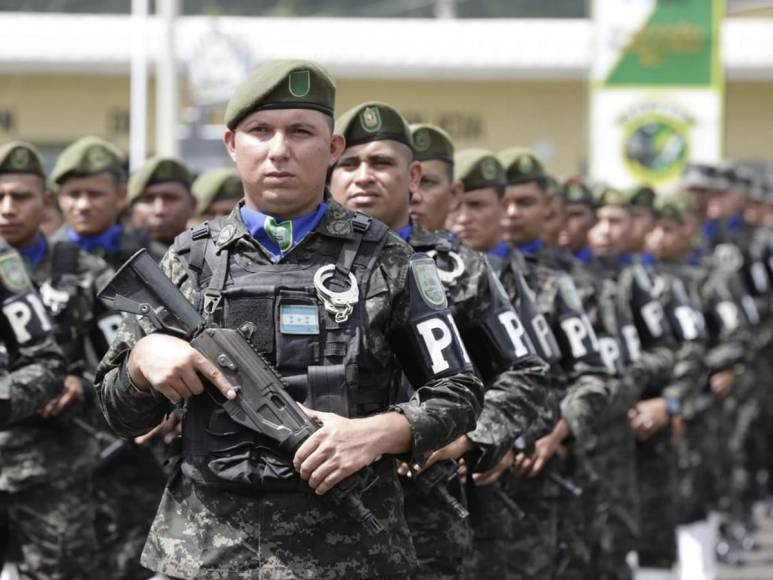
<point x="218" y="261"/>
<point x="340" y="279"/>
<point x="64" y="256"/>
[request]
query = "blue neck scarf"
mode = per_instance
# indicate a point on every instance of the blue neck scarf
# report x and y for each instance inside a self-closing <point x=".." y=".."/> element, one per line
<point x="694" y="259"/>
<point x="532" y="247"/>
<point x="35" y="252"/>
<point x="624" y="260"/>
<point x="277" y="236"/>
<point x="405" y="232"/>
<point x="645" y="258"/>
<point x="501" y="250"/>
<point x="584" y="255"/>
<point x="107" y="240"/>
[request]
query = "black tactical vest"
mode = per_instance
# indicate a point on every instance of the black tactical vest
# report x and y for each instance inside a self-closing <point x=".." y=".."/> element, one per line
<point x="321" y="359"/>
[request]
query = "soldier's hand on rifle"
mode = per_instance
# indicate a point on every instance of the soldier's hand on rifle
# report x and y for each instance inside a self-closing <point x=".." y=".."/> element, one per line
<point x="493" y="474"/>
<point x="649" y="417"/>
<point x="454" y="450"/>
<point x="544" y="449"/>
<point x="721" y="383"/>
<point x="73" y="389"/>
<point x="173" y="367"/>
<point x="344" y="446"/>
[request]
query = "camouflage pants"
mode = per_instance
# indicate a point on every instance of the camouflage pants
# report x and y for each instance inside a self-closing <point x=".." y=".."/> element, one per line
<point x="442" y="540"/>
<point x="51" y="530"/>
<point x="127" y="495"/>
<point x="492" y="531"/>
<point x="656" y="474"/>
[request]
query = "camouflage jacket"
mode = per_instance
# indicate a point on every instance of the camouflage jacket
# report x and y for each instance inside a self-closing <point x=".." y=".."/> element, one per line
<point x="41" y="449"/>
<point x="130" y="242"/>
<point x="517" y="397"/>
<point x="583" y="384"/>
<point x="32" y="363"/>
<point x="438" y="412"/>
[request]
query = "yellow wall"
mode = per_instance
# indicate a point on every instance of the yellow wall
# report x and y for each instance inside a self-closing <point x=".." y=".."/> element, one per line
<point x="52" y="111"/>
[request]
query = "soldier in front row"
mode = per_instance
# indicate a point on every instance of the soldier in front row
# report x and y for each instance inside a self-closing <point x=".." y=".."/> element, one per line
<point x="260" y="264"/>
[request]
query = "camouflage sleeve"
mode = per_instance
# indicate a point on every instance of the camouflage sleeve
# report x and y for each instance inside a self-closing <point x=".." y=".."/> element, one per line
<point x="687" y="372"/>
<point x="586" y="398"/>
<point x="128" y="410"/>
<point x="445" y="407"/>
<point x="653" y="371"/>
<point x="514" y="401"/>
<point x="35" y="364"/>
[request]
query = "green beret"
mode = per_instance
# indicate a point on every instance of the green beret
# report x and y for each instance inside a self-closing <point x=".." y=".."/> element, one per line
<point x="20" y="157"/>
<point x="217" y="185"/>
<point x="88" y="156"/>
<point x="373" y="121"/>
<point x="521" y="166"/>
<point x="158" y="170"/>
<point x="431" y="143"/>
<point x="283" y="84"/>
<point x="642" y="196"/>
<point x="606" y="195"/>
<point x="575" y="191"/>
<point x="478" y="169"/>
<point x="672" y="207"/>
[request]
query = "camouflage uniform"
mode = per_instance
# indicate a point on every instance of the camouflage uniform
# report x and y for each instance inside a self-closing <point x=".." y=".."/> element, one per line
<point x="128" y="490"/>
<point x="512" y="402"/>
<point x="581" y="390"/>
<point x="211" y="533"/>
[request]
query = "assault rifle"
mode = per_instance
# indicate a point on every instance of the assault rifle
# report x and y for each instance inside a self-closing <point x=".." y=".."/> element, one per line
<point x="262" y="402"/>
<point x="522" y="445"/>
<point x="434" y="481"/>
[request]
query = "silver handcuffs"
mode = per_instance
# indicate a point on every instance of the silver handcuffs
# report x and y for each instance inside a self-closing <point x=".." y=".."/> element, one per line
<point x="339" y="304"/>
<point x="448" y="277"/>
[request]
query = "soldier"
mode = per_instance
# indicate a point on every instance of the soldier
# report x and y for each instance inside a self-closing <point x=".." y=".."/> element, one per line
<point x="160" y="199"/>
<point x="377" y="164"/>
<point x="48" y="460"/>
<point x="259" y="264"/>
<point x="217" y="191"/>
<point x="89" y="176"/>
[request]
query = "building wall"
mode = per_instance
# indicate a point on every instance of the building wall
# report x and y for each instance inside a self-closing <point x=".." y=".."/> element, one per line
<point x="549" y="116"/>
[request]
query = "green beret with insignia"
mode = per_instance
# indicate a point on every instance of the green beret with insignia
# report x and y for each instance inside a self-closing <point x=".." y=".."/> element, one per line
<point x="20" y="157"/>
<point x="575" y="191"/>
<point x="217" y="185"/>
<point x="283" y="84"/>
<point x="431" y="143"/>
<point x="478" y="169"/>
<point x="158" y="170"/>
<point x="373" y="121"/>
<point x="521" y="166"/>
<point x="606" y="195"/>
<point x="88" y="156"/>
<point x="642" y="196"/>
<point x="672" y="207"/>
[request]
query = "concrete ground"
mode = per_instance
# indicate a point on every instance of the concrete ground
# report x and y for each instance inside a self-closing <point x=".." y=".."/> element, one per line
<point x="760" y="562"/>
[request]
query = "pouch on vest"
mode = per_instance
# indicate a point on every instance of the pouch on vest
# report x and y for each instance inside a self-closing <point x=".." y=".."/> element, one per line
<point x="500" y="339"/>
<point x="429" y="345"/>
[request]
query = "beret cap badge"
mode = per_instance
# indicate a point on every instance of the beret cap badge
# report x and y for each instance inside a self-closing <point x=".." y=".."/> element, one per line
<point x="299" y="83"/>
<point x="370" y="119"/>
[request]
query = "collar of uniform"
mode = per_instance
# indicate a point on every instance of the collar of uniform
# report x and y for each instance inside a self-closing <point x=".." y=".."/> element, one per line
<point x="584" y="255"/>
<point x="107" y="241"/>
<point x="531" y="248"/>
<point x="232" y="228"/>
<point x="36" y="252"/>
<point x="501" y="250"/>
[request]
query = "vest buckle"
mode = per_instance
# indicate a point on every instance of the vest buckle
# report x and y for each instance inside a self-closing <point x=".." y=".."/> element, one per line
<point x="339" y="304"/>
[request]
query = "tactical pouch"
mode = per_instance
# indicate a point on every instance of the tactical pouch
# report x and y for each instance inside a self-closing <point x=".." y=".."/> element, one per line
<point x="298" y="335"/>
<point x="328" y="390"/>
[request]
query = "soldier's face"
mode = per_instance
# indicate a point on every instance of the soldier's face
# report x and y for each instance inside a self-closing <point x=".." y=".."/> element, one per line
<point x="726" y="203"/>
<point x="478" y="217"/>
<point x="666" y="240"/>
<point x="283" y="156"/>
<point x="700" y="197"/>
<point x="554" y="221"/>
<point x="220" y="208"/>
<point x="22" y="201"/>
<point x="642" y="222"/>
<point x="377" y="178"/>
<point x="610" y="235"/>
<point x="164" y="210"/>
<point x="754" y="212"/>
<point x="90" y="205"/>
<point x="580" y="218"/>
<point x="525" y="208"/>
<point x="436" y="194"/>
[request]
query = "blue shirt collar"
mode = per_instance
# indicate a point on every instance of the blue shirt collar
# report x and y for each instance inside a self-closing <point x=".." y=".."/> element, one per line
<point x="624" y="260"/>
<point x="107" y="240"/>
<point x="501" y="250"/>
<point x="35" y="252"/>
<point x="405" y="232"/>
<point x="584" y="255"/>
<point x="532" y="247"/>
<point x="694" y="259"/>
<point x="255" y="221"/>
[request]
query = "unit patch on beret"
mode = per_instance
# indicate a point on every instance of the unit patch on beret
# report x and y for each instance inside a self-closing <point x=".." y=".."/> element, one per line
<point x="20" y="158"/>
<point x="299" y="83"/>
<point x="525" y="164"/>
<point x="421" y="140"/>
<point x="488" y="168"/>
<point x="98" y="156"/>
<point x="370" y="119"/>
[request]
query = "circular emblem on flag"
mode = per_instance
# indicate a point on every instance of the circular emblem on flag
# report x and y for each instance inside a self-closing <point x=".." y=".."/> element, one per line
<point x="488" y="168"/>
<point x="370" y="119"/>
<point x="422" y="140"/>
<point x="20" y="158"/>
